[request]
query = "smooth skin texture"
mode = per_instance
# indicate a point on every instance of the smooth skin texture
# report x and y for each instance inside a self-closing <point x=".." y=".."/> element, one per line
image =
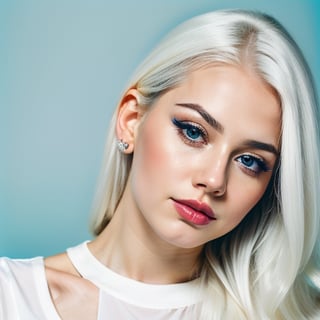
<point x="214" y="139"/>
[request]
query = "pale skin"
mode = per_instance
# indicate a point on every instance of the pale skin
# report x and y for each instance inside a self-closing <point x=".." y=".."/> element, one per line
<point x="214" y="139"/>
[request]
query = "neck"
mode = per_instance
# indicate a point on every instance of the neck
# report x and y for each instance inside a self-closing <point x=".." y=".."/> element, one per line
<point x="128" y="247"/>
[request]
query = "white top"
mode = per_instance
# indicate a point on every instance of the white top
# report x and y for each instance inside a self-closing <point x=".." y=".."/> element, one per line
<point x="24" y="292"/>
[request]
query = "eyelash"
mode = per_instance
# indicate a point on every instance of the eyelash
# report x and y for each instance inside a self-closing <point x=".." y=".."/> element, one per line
<point x="260" y="163"/>
<point x="184" y="126"/>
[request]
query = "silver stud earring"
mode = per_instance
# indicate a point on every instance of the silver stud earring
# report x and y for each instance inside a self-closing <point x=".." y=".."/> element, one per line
<point x="122" y="145"/>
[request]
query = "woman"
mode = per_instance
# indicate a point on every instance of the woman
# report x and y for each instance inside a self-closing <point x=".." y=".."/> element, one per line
<point x="208" y="204"/>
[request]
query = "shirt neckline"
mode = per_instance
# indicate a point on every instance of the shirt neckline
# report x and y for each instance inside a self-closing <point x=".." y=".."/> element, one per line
<point x="158" y="296"/>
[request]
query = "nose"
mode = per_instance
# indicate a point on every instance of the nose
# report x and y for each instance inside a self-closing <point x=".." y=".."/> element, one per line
<point x="212" y="174"/>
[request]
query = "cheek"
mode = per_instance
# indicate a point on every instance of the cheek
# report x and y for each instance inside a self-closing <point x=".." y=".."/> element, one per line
<point x="248" y="196"/>
<point x="152" y="157"/>
<point x="150" y="151"/>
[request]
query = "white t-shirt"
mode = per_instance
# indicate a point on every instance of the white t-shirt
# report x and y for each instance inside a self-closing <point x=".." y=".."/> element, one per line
<point x="24" y="292"/>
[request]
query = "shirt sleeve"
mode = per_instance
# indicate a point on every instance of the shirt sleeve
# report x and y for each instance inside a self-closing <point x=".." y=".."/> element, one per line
<point x="8" y="307"/>
<point x="24" y="290"/>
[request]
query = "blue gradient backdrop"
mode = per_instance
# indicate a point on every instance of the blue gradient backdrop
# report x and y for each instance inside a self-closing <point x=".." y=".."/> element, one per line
<point x="63" y="65"/>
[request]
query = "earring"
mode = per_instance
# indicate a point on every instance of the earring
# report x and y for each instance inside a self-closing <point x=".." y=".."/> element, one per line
<point x="122" y="145"/>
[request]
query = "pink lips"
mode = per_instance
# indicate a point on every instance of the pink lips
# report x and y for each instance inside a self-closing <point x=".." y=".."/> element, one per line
<point x="194" y="211"/>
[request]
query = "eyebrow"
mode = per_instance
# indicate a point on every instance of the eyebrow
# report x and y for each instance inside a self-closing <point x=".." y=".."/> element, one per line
<point x="219" y="127"/>
<point x="204" y="114"/>
<point x="262" y="146"/>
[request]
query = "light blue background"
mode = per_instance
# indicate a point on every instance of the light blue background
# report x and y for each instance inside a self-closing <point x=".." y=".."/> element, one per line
<point x="63" y="64"/>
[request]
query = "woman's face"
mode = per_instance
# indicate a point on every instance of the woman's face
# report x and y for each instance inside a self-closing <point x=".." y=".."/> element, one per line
<point x="204" y="154"/>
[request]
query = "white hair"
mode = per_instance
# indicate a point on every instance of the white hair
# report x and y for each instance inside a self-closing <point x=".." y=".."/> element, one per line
<point x="268" y="266"/>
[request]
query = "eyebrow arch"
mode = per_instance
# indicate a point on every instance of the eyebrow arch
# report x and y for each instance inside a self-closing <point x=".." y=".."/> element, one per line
<point x="262" y="146"/>
<point x="204" y="114"/>
<point x="218" y="126"/>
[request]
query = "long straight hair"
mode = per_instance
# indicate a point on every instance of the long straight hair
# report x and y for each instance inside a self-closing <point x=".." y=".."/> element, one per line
<point x="268" y="266"/>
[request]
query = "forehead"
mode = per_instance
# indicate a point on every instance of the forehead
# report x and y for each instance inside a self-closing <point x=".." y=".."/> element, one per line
<point x="229" y="79"/>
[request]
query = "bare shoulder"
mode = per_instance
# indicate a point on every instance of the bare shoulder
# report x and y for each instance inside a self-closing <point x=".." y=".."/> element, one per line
<point x="73" y="296"/>
<point x="61" y="262"/>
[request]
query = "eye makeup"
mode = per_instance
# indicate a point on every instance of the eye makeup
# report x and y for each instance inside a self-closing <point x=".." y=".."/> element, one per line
<point x="190" y="132"/>
<point x="252" y="164"/>
<point x="195" y="135"/>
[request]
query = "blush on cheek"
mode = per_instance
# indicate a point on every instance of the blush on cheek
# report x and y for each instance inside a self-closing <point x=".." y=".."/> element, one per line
<point x="148" y="159"/>
<point x="154" y="148"/>
<point x="152" y="153"/>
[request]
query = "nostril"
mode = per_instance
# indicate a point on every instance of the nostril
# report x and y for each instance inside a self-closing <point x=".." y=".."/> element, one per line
<point x="220" y="192"/>
<point x="202" y="185"/>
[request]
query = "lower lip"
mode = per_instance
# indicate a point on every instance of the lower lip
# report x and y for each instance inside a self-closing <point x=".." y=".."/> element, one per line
<point x="191" y="215"/>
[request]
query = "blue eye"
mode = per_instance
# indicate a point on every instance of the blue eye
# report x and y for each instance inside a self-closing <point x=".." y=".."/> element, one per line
<point x="247" y="160"/>
<point x="192" y="132"/>
<point x="254" y="164"/>
<point x="189" y="131"/>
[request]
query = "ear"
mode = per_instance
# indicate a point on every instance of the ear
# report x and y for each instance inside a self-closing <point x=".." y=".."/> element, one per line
<point x="129" y="116"/>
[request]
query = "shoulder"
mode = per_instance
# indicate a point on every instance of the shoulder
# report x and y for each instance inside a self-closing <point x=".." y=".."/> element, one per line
<point x="63" y="278"/>
<point x="9" y="265"/>
<point x="23" y="282"/>
<point x="73" y="296"/>
<point x="14" y="270"/>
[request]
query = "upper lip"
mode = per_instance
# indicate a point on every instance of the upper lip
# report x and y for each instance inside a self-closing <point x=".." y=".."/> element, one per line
<point x="199" y="206"/>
